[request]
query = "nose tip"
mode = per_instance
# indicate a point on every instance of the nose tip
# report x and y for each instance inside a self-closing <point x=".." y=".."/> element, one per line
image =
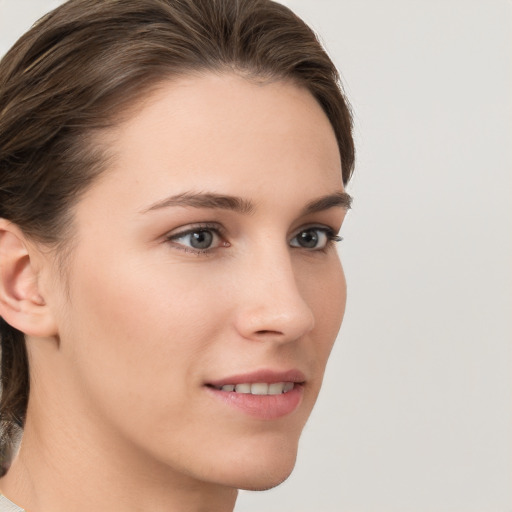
<point x="284" y="327"/>
<point x="273" y="308"/>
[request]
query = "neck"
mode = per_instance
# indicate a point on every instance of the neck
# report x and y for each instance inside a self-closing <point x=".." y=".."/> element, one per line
<point x="75" y="467"/>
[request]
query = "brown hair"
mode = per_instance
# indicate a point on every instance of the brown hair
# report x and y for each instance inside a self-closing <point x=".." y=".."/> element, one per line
<point x="81" y="65"/>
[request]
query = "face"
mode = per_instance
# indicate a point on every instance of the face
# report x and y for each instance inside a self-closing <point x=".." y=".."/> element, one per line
<point x="205" y="288"/>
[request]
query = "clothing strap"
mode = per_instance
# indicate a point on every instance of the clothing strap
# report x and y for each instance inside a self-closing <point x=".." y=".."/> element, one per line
<point x="8" y="506"/>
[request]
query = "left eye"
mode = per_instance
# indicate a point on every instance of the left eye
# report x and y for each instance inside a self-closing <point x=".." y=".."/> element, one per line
<point x="314" y="238"/>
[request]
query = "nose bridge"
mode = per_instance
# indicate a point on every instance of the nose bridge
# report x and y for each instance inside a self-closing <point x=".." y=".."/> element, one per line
<point x="272" y="305"/>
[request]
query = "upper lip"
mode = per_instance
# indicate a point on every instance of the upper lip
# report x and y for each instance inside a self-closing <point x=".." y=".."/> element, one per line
<point x="264" y="375"/>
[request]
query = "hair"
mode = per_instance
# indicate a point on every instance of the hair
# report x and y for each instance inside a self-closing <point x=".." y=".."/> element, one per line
<point x="82" y="66"/>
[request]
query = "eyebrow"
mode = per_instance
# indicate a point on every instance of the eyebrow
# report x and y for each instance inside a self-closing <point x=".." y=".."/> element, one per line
<point x="204" y="200"/>
<point x="240" y="205"/>
<point x="338" y="199"/>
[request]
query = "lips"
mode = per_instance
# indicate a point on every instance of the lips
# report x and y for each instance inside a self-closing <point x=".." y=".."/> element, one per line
<point x="260" y="376"/>
<point x="264" y="394"/>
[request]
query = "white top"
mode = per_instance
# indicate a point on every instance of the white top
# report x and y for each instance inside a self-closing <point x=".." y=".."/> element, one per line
<point x="8" y="506"/>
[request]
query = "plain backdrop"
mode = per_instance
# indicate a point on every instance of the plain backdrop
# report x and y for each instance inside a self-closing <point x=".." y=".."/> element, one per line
<point x="416" y="411"/>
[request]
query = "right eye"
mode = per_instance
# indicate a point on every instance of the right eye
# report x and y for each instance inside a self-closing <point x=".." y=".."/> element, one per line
<point x="198" y="240"/>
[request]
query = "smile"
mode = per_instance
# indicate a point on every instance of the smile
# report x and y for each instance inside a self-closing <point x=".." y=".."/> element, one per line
<point x="263" y="394"/>
<point x="258" y="388"/>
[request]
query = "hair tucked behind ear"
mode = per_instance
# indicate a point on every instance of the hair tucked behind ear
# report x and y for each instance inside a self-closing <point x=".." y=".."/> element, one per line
<point x="82" y="66"/>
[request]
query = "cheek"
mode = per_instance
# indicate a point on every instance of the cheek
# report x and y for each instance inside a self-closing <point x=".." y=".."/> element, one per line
<point x="136" y="332"/>
<point x="326" y="292"/>
<point x="336" y="300"/>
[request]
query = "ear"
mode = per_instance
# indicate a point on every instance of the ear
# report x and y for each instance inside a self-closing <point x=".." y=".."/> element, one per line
<point x="21" y="304"/>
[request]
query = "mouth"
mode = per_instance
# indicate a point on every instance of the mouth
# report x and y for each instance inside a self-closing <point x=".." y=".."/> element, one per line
<point x="257" y="388"/>
<point x="263" y="394"/>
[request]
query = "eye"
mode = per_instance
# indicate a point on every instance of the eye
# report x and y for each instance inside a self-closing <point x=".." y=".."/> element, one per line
<point x="314" y="239"/>
<point x="200" y="239"/>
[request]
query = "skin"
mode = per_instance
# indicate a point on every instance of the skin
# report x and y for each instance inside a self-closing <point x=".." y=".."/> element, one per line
<point x="119" y="417"/>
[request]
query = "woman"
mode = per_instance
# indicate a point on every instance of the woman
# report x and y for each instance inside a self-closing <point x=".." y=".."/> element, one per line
<point x="172" y="185"/>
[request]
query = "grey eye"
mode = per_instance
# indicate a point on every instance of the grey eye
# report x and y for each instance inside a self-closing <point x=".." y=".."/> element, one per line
<point x="197" y="239"/>
<point x="308" y="239"/>
<point x="311" y="238"/>
<point x="200" y="239"/>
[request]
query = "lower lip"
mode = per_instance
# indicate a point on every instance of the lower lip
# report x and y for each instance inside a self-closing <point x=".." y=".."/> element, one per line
<point x="265" y="407"/>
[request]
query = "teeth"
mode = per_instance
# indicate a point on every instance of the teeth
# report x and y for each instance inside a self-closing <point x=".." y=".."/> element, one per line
<point x="276" y="388"/>
<point x="243" y="388"/>
<point x="288" y="387"/>
<point x="260" y="388"/>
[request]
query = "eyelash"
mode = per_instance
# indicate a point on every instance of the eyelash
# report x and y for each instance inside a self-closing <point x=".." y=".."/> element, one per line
<point x="331" y="238"/>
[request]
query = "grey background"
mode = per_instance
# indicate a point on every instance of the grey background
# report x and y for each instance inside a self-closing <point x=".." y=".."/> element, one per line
<point x="416" y="411"/>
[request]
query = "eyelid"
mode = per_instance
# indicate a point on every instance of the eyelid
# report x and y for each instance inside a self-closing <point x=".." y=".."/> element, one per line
<point x="188" y="228"/>
<point x="319" y="226"/>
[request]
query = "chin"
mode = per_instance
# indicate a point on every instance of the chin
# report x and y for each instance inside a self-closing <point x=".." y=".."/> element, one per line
<point x="263" y="473"/>
<point x="266" y="482"/>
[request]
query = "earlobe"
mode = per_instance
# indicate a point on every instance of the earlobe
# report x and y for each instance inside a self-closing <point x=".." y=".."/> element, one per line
<point x="21" y="303"/>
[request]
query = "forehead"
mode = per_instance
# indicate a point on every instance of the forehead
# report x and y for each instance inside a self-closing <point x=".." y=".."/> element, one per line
<point x="219" y="132"/>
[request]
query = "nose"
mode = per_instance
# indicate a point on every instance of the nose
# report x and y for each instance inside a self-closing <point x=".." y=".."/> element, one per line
<point x="270" y="303"/>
